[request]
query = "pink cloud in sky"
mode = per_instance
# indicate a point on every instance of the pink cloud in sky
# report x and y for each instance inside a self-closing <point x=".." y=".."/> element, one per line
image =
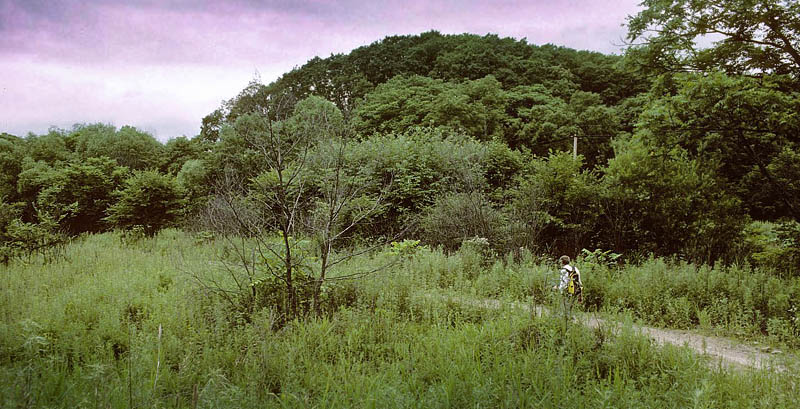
<point x="163" y="65"/>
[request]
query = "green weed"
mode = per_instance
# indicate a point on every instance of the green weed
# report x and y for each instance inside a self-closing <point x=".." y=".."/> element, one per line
<point x="84" y="332"/>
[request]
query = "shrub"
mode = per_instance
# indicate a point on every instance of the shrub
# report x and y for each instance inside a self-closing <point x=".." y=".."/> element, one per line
<point x="773" y="246"/>
<point x="456" y="217"/>
<point x="80" y="193"/>
<point x="149" y="200"/>
<point x="556" y="204"/>
<point x="19" y="238"/>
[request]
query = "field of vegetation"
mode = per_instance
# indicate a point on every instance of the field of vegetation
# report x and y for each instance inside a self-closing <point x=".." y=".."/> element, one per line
<point x="331" y="239"/>
<point x="121" y="322"/>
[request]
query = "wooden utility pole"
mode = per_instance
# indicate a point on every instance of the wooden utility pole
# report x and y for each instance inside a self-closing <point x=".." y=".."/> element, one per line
<point x="574" y="147"/>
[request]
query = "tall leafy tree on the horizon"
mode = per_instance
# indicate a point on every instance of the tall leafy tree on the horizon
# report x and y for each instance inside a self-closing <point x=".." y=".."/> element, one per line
<point x="742" y="127"/>
<point x="753" y="37"/>
<point x="735" y="106"/>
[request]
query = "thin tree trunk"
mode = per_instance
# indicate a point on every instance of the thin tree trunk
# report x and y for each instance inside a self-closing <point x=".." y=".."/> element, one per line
<point x="290" y="291"/>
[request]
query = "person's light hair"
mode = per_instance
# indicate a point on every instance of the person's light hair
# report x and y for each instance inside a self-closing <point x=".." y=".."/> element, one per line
<point x="564" y="260"/>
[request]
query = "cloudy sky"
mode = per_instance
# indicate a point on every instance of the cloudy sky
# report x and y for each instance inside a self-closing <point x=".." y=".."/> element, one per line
<point x="162" y="65"/>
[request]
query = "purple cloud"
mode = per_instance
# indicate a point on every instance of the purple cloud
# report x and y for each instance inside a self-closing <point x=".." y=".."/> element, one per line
<point x="162" y="65"/>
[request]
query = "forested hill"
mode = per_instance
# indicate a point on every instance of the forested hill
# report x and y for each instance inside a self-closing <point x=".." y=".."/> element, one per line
<point x="488" y="86"/>
<point x="447" y="138"/>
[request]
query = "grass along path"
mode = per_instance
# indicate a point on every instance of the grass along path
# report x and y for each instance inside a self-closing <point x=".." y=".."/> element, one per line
<point x="720" y="350"/>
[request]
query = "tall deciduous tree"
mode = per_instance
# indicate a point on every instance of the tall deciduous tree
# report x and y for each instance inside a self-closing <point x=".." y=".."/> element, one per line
<point x="422" y="163"/>
<point x="555" y="204"/>
<point x="49" y="148"/>
<point x="303" y="188"/>
<point x="129" y="146"/>
<point x="659" y="200"/>
<point x="749" y="36"/>
<point x="11" y="156"/>
<point x="737" y="125"/>
<point x="178" y="151"/>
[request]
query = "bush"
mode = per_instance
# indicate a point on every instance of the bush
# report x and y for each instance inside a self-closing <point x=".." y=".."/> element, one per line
<point x="773" y="246"/>
<point x="149" y="200"/>
<point x="554" y="207"/>
<point x="80" y="193"/>
<point x="456" y="217"/>
<point x="19" y="238"/>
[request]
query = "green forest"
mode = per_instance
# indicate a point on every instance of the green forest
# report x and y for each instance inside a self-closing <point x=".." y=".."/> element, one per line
<point x="303" y="238"/>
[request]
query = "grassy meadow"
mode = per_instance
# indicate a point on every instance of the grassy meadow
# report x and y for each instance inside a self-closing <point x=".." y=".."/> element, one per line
<point x="134" y="323"/>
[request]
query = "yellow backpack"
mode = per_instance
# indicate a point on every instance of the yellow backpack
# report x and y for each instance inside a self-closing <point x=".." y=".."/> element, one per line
<point x="574" y="286"/>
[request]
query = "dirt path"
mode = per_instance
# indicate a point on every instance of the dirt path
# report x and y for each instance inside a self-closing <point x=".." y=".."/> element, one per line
<point x="720" y="350"/>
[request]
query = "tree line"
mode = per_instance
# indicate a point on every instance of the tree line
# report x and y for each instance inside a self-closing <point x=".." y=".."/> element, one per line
<point x="682" y="152"/>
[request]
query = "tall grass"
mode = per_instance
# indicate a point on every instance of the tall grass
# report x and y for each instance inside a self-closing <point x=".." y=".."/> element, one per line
<point x="85" y="333"/>
<point x="733" y="300"/>
<point x="736" y="301"/>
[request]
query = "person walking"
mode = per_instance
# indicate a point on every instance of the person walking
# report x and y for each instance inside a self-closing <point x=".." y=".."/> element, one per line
<point x="570" y="285"/>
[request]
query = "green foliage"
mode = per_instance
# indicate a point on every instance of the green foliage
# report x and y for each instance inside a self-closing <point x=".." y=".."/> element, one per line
<point x="90" y="140"/>
<point x="316" y="116"/>
<point x="95" y="338"/>
<point x="477" y="85"/>
<point x="309" y="181"/>
<point x="502" y="166"/>
<point x="555" y="205"/>
<point x="193" y="178"/>
<point x="255" y="141"/>
<point x="606" y="259"/>
<point x="80" y="193"/>
<point x="11" y="157"/>
<point x="473" y="107"/>
<point x="9" y="215"/>
<point x="406" y="248"/>
<point x="744" y="129"/>
<point x="344" y="79"/>
<point x="70" y="174"/>
<point x="465" y="135"/>
<point x="49" y="148"/>
<point x="233" y="154"/>
<point x="456" y="217"/>
<point x="33" y="178"/>
<point x="661" y="201"/>
<point x="428" y="128"/>
<point x="267" y="282"/>
<point x="539" y="119"/>
<point x="344" y="196"/>
<point x="734" y="300"/>
<point x="148" y="200"/>
<point x="773" y="246"/>
<point x="128" y="146"/>
<point x="76" y="193"/>
<point x="750" y="37"/>
<point x="418" y="165"/>
<point x="24" y="239"/>
<point x="784" y="170"/>
<point x="529" y="116"/>
<point x="177" y="152"/>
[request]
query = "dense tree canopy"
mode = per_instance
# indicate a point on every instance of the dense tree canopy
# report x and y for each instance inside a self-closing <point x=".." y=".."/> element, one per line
<point x="750" y="37"/>
<point x="737" y="125"/>
<point x="446" y="60"/>
<point x="449" y="137"/>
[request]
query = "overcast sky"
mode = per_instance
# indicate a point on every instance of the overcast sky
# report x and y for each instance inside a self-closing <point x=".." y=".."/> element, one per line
<point x="163" y="65"/>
